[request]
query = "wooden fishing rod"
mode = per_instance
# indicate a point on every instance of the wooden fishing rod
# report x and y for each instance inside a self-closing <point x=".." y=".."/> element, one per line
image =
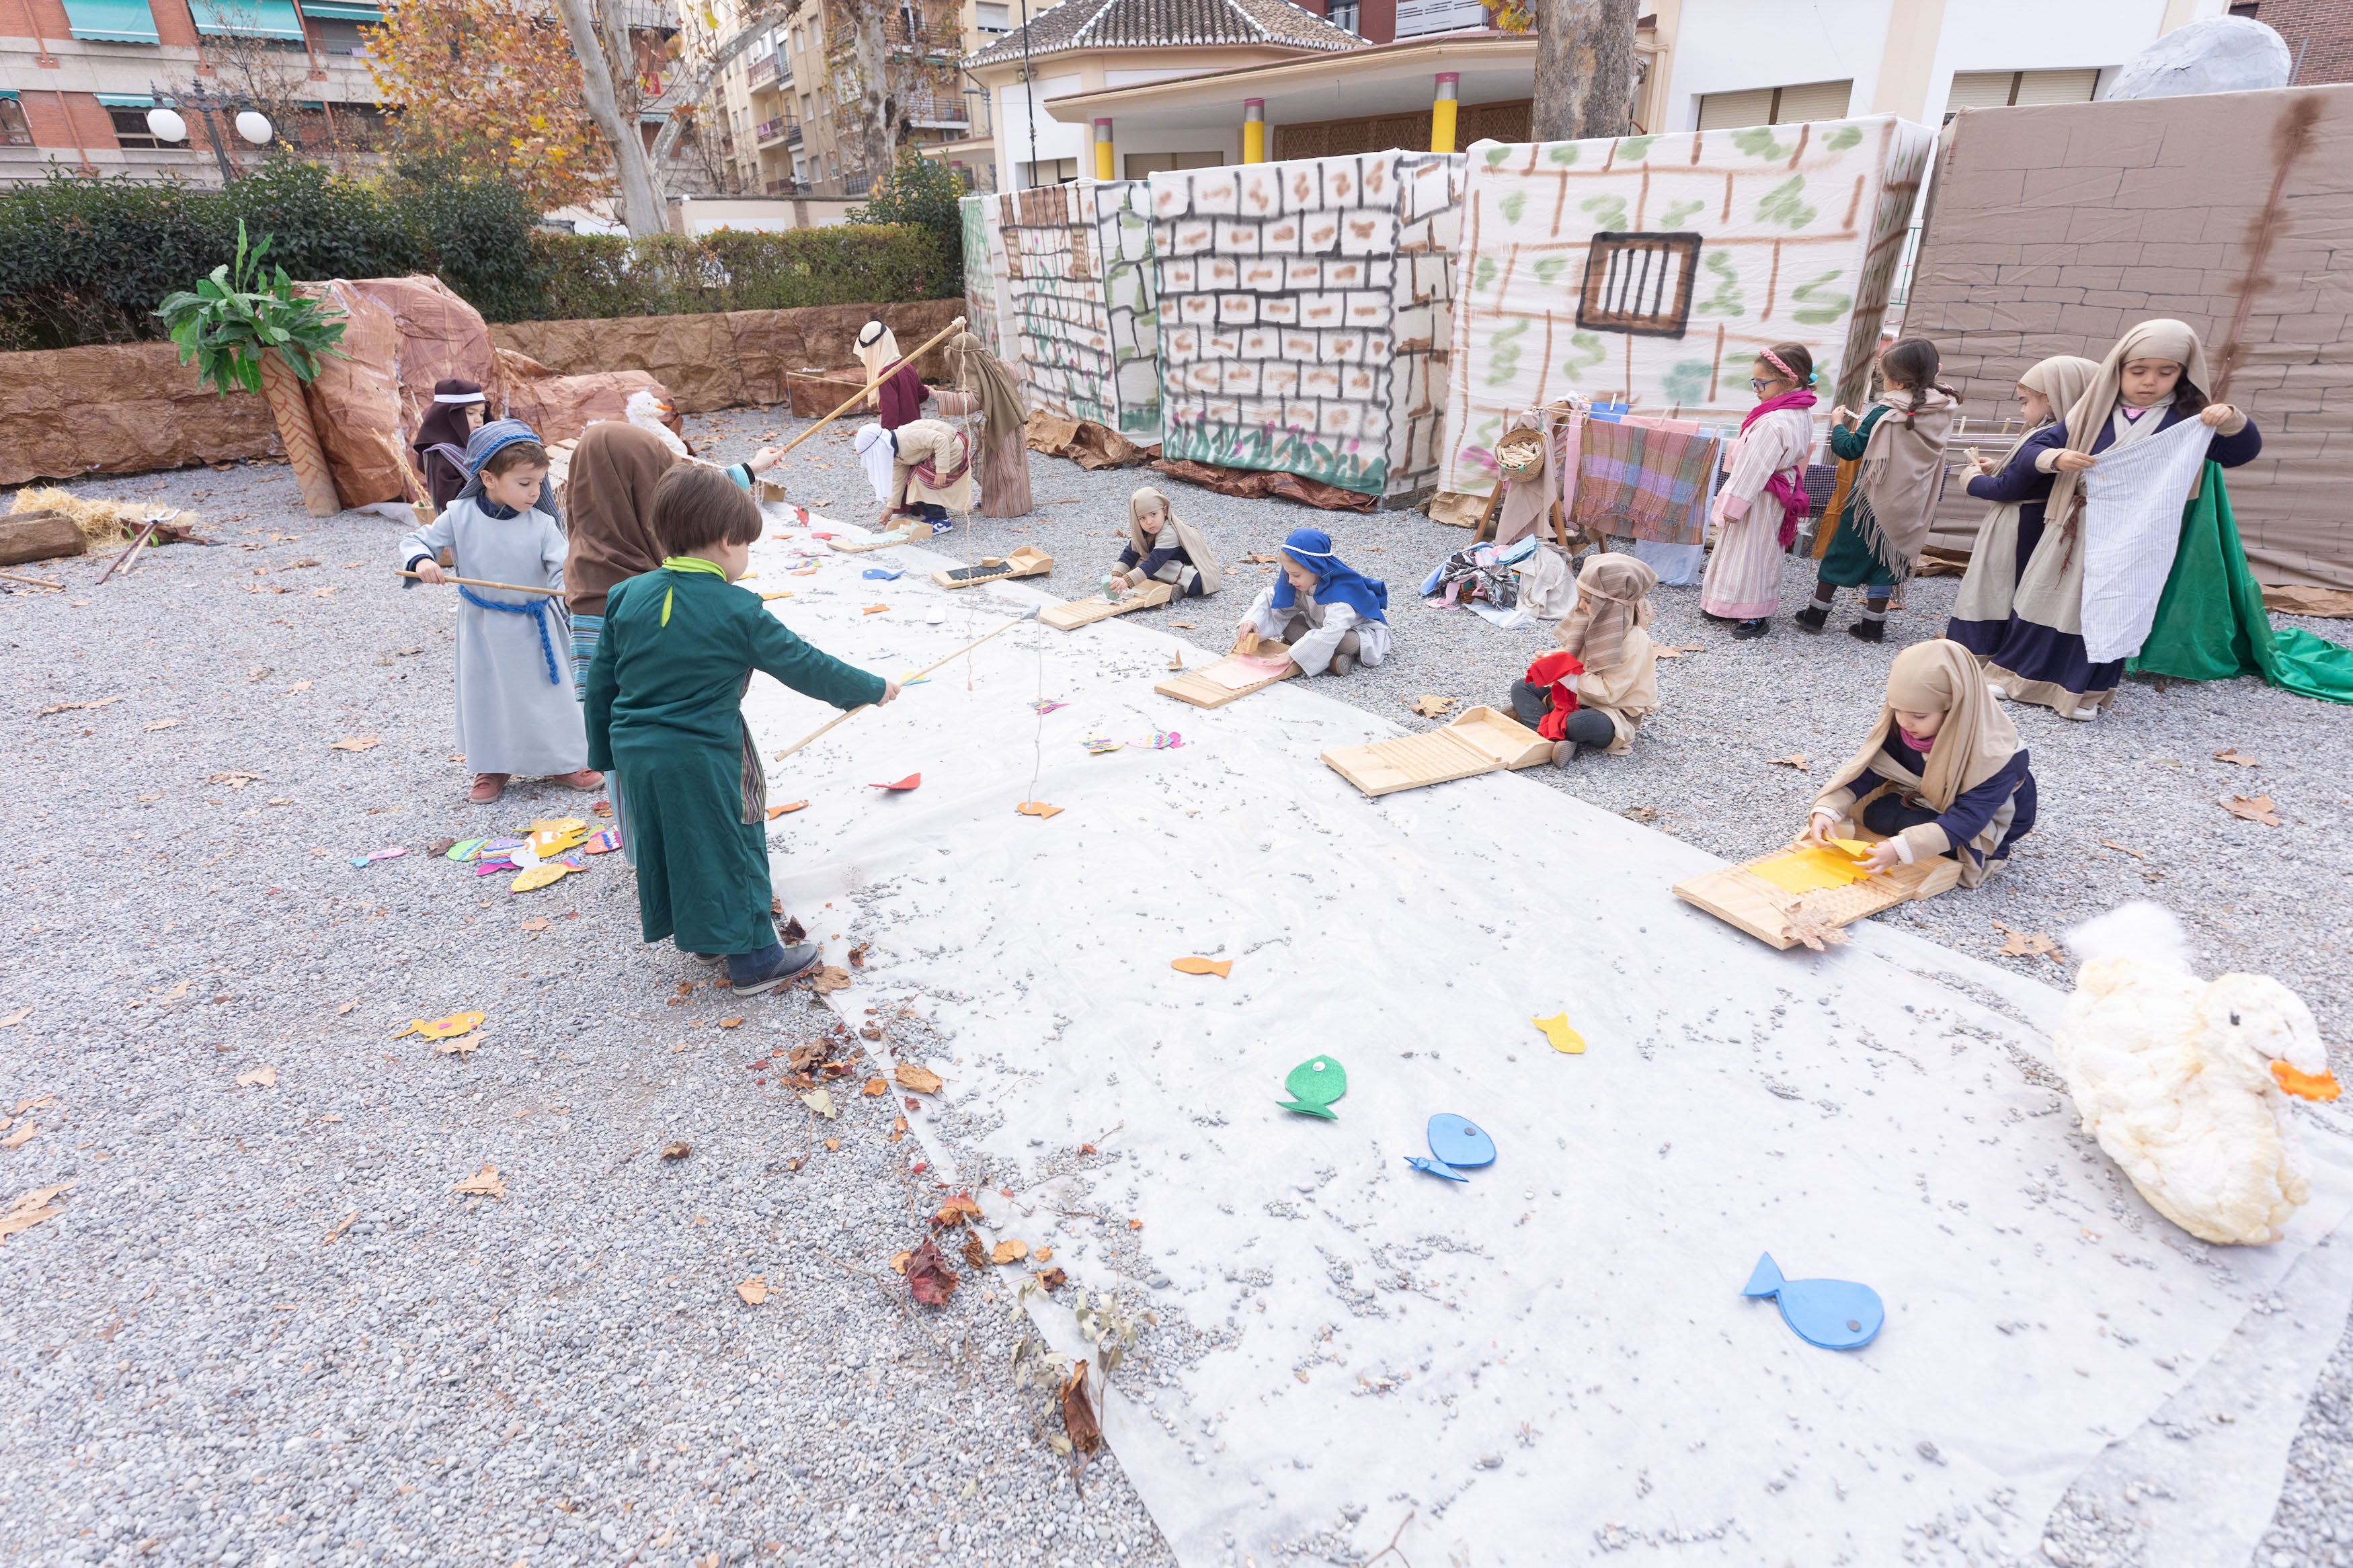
<point x="918" y="674"/>
<point x="478" y="582"/>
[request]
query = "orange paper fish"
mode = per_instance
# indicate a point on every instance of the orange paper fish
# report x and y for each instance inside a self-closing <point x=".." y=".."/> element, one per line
<point x="1220" y="967"/>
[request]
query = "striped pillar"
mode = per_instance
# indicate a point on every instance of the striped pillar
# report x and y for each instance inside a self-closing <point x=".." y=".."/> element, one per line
<point x="1442" y="112"/>
<point x="1254" y="131"/>
<point x="1104" y="169"/>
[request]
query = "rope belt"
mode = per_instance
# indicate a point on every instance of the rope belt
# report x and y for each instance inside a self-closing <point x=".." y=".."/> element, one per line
<point x="537" y="610"/>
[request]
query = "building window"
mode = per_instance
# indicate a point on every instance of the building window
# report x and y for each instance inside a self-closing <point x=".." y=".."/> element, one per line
<point x="1998" y="89"/>
<point x="1775" y="105"/>
<point x="2246" y="8"/>
<point x="131" y="129"/>
<point x="1415" y="18"/>
<point x="1638" y="284"/>
<point x="1138" y="164"/>
<point x="1049" y="172"/>
<point x="1343" y="15"/>
<point x="14" y="131"/>
<point x="992" y="18"/>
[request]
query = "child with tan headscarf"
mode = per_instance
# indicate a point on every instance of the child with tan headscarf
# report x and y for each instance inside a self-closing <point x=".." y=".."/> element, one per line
<point x="1161" y="549"/>
<point x="1942" y="773"/>
<point x="1899" y="444"/>
<point x="1602" y="678"/>
<point x="2007" y="537"/>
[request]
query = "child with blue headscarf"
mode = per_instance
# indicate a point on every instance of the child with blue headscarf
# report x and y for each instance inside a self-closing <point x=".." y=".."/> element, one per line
<point x="516" y="710"/>
<point x="1332" y="617"/>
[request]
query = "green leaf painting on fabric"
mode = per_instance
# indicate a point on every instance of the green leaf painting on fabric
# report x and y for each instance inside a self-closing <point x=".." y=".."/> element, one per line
<point x="1687" y="382"/>
<point x="1758" y="143"/>
<point x="1514" y="205"/>
<point x="1725" y="300"/>
<point x="1549" y="269"/>
<point x="1483" y="277"/>
<point x="1785" y="203"/>
<point x="1609" y="212"/>
<point x="1482" y="435"/>
<point x="1678" y="214"/>
<point x="1503" y="353"/>
<point x="1561" y="152"/>
<point x="1822" y="304"/>
<point x="1634" y="149"/>
<point x="1844" y="137"/>
<point x="1496" y="155"/>
<point x="1586" y="351"/>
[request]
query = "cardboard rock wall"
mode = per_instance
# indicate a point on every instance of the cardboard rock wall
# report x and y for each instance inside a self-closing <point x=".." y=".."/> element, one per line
<point x="1078" y="278"/>
<point x="1305" y="312"/>
<point x="2052" y="230"/>
<point x="1650" y="269"/>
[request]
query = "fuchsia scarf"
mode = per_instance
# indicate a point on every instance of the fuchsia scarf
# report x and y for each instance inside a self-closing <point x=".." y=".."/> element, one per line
<point x="1788" y="487"/>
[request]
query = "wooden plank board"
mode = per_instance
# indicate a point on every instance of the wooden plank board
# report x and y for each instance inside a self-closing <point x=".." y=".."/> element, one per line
<point x="1499" y="735"/>
<point x="883" y="541"/>
<point x="1196" y="686"/>
<point x="1410" y="762"/>
<point x="1026" y="561"/>
<point x="1737" y="896"/>
<point x="1079" y="613"/>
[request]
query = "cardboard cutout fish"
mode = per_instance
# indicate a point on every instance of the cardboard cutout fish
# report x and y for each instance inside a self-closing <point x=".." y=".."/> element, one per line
<point x="1313" y="1085"/>
<point x="1459" y="1145"/>
<point x="447" y="1028"/>
<point x="466" y="849"/>
<point x="1836" y="1314"/>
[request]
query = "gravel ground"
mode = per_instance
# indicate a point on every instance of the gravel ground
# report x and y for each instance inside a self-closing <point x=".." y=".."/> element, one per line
<point x="487" y="1380"/>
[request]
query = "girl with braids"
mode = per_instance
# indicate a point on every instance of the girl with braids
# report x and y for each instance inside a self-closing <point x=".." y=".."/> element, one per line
<point x="1900" y="441"/>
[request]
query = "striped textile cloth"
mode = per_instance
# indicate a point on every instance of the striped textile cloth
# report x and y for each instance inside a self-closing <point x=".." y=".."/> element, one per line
<point x="1645" y="479"/>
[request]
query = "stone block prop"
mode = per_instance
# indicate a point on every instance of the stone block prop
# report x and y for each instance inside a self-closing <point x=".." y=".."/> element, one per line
<point x="1650" y="269"/>
<point x="1305" y="313"/>
<point x="1083" y="303"/>
<point x="120" y="408"/>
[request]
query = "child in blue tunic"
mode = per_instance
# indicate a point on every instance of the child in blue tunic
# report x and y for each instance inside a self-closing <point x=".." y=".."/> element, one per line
<point x="1332" y="617"/>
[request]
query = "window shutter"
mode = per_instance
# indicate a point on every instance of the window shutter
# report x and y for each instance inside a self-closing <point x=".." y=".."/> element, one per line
<point x="1731" y="111"/>
<point x="2058" y="87"/>
<point x="1814" y="101"/>
<point x="1980" y="89"/>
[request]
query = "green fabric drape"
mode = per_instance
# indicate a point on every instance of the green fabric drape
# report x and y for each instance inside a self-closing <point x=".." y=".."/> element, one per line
<point x="2210" y="622"/>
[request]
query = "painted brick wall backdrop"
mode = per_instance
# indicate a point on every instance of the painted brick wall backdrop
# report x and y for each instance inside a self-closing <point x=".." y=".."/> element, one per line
<point x="1306" y="309"/>
<point x="2053" y="230"/>
<point x="1079" y="276"/>
<point x="1651" y="269"/>
<point x="989" y="305"/>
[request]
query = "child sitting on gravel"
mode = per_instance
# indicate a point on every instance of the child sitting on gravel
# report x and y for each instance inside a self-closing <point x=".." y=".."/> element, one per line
<point x="1603" y="677"/>
<point x="516" y="714"/>
<point x="1160" y="549"/>
<point x="1942" y="773"/>
<point x="1332" y="615"/>
<point x="665" y="689"/>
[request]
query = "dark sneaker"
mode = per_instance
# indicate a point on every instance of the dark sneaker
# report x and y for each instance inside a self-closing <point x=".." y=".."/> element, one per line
<point x="751" y="974"/>
<point x="1869" y="631"/>
<point x="1750" y="631"/>
<point x="1813" y="619"/>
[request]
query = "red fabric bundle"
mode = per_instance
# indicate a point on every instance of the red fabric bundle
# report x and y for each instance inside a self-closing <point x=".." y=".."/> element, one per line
<point x="1556" y="671"/>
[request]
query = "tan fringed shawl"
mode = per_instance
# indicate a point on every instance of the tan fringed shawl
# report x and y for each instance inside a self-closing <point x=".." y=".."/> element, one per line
<point x="1903" y="476"/>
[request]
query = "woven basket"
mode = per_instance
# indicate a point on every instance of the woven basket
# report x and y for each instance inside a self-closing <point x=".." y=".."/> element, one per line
<point x="1520" y="455"/>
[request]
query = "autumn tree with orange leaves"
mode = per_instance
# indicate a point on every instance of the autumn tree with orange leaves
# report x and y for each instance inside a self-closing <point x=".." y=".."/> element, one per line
<point x="494" y="83"/>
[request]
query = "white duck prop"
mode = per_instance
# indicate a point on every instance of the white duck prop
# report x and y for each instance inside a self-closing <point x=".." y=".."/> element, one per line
<point x="646" y="412"/>
<point x="2185" y="1082"/>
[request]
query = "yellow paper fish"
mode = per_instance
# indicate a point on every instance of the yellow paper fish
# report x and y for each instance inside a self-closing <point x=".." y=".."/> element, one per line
<point x="1564" y="1039"/>
<point x="548" y="843"/>
<point x="540" y="876"/>
<point x="447" y="1028"/>
<point x="558" y="824"/>
<point x="1860" y="848"/>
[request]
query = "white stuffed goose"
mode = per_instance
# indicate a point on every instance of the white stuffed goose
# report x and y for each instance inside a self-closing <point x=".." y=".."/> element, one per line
<point x="2186" y="1083"/>
<point x="646" y="412"/>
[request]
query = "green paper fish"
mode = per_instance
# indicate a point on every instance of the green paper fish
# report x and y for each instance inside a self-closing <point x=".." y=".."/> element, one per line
<point x="466" y="849"/>
<point x="1313" y="1085"/>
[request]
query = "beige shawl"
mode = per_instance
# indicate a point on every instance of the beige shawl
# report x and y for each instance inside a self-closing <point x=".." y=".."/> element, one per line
<point x="984" y="375"/>
<point x="1197" y="547"/>
<point x="939" y="447"/>
<point x="1993" y="576"/>
<point x="1974" y="742"/>
<point x="1903" y="476"/>
<point x="877" y="350"/>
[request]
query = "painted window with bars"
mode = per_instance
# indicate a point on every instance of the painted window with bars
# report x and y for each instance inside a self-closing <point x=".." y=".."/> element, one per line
<point x="1640" y="284"/>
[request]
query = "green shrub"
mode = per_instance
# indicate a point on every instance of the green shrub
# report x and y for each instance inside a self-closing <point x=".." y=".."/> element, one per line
<point x="597" y="276"/>
<point x="926" y="194"/>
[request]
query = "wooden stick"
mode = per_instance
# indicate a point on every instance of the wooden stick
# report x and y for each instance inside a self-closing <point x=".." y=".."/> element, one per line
<point x="954" y="326"/>
<point x="478" y="582"/>
<point x="918" y="674"/>
<point x="415" y="481"/>
<point x="33" y="582"/>
<point x="144" y="534"/>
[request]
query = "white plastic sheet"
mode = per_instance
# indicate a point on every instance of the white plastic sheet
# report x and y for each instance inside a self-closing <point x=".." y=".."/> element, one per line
<point x="1553" y="1360"/>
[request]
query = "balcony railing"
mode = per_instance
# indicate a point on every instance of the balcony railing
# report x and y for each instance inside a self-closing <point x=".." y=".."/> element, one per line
<point x="940" y="112"/>
<point x="782" y="127"/>
<point x="767" y="68"/>
<point x="787" y="187"/>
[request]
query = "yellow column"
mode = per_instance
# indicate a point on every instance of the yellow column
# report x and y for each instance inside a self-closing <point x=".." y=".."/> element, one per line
<point x="1442" y="112"/>
<point x="1104" y="169"/>
<point x="1254" y="131"/>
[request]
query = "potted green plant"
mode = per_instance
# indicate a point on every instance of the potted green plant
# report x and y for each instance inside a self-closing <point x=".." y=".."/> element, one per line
<point x="250" y="332"/>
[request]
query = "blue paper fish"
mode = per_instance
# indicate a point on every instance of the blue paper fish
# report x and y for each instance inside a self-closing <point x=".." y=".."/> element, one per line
<point x="877" y="573"/>
<point x="1836" y="1314"/>
<point x="1459" y="1145"/>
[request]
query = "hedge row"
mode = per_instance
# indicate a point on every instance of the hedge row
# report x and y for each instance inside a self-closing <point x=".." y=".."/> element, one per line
<point x="86" y="261"/>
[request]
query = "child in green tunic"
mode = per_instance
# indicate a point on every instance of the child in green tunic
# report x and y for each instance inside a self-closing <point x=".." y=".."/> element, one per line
<point x="1899" y="449"/>
<point x="663" y="708"/>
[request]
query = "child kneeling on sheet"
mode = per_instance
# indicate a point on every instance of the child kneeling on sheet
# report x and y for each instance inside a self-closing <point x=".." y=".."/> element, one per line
<point x="1942" y="773"/>
<point x="1332" y="615"/>
<point x="1604" y="676"/>
<point x="665" y="688"/>
<point x="516" y="714"/>
<point x="1162" y="549"/>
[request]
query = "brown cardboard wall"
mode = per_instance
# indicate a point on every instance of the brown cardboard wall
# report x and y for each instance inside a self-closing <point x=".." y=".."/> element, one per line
<point x="119" y="408"/>
<point x="2053" y="230"/>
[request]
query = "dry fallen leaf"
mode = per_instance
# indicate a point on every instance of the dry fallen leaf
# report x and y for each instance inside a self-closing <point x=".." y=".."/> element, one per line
<point x="463" y="1046"/>
<point x="162" y="725"/>
<point x="1797" y="760"/>
<point x="340" y="1226"/>
<point x="2258" y="808"/>
<point x="70" y="707"/>
<point x="2028" y="944"/>
<point x="19" y="1138"/>
<point x="355" y="743"/>
<point x="929" y="1277"/>
<point x="858" y="954"/>
<point x="25" y="1105"/>
<point x="829" y="980"/>
<point x="1429" y="705"/>
<point x="1078" y="1412"/>
<point x="676" y="1149"/>
<point x="898" y="1261"/>
<point x="821" y="1102"/>
<point x="260" y="1077"/>
<point x="2233" y="755"/>
<point x="1053" y="1279"/>
<point x="30" y="1209"/>
<point x="975" y="1258"/>
<point x="482" y="1184"/>
<point x="922" y="1079"/>
<point x="1009" y="1252"/>
<point x="1176" y="659"/>
<point x="17" y="1018"/>
<point x="731" y="1023"/>
<point x="958" y="1209"/>
<point x="753" y="1291"/>
<point x="1679" y="652"/>
<point x="536" y="922"/>
<point x="1812" y="927"/>
<point x="875" y="1087"/>
<point x="2112" y="844"/>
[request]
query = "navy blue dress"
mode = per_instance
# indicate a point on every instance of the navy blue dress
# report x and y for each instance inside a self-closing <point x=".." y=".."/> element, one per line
<point x="2028" y="651"/>
<point x="2018" y="484"/>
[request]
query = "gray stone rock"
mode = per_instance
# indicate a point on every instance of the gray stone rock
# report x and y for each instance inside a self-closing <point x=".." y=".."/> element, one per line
<point x="2220" y="53"/>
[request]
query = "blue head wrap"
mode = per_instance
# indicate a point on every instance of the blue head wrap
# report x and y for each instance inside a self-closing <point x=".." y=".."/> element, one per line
<point x="1337" y="583"/>
<point x="485" y="444"/>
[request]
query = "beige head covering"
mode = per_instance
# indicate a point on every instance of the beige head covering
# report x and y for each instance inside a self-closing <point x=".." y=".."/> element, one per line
<point x="1143" y="501"/>
<point x="2088" y="415"/>
<point x="984" y="375"/>
<point x="2062" y="378"/>
<point x="1618" y="586"/>
<point x="1973" y="744"/>
<point x="876" y="349"/>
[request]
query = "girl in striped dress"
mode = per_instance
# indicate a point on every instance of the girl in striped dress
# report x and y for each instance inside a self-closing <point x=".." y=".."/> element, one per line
<point x="1763" y="499"/>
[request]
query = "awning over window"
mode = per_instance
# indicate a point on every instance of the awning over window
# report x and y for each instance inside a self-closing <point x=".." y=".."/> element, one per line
<point x="9" y="93"/>
<point x="249" y="18"/>
<point x="112" y="21"/>
<point x="343" y="11"/>
<point x="123" y="100"/>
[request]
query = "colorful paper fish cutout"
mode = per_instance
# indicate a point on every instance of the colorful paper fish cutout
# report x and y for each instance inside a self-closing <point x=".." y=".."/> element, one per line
<point x="1038" y="809"/>
<point x="1097" y="745"/>
<point x="541" y="875"/>
<point x="1564" y="1039"/>
<point x="791" y="806"/>
<point x="878" y="574"/>
<point x="909" y="782"/>
<point x="603" y="842"/>
<point x="548" y="843"/>
<point x="499" y="846"/>
<point x="779" y="594"/>
<point x="1164" y="741"/>
<point x="1836" y="1314"/>
<point x="874" y="610"/>
<point x="1313" y="1085"/>
<point x="389" y="852"/>
<point x="492" y="867"/>
<point x="1042" y="707"/>
<point x="1220" y="967"/>
<point x="447" y="1028"/>
<point x="559" y="825"/>
<point x="1459" y="1146"/>
<point x="466" y="849"/>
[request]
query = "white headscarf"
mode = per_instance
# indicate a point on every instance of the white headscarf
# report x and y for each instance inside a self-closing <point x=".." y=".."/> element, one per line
<point x="876" y="452"/>
<point x="877" y="350"/>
